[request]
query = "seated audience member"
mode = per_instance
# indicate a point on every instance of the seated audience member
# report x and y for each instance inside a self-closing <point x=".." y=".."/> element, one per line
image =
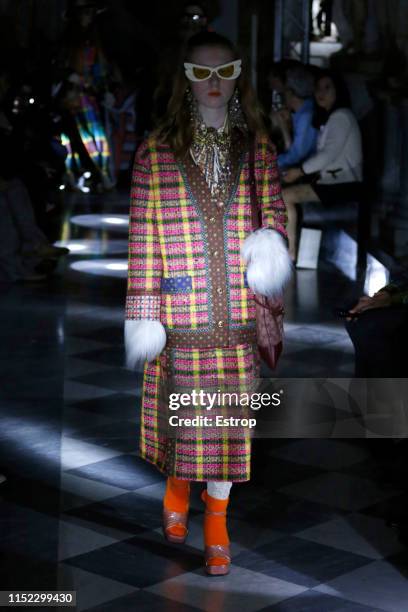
<point x="337" y="162"/>
<point x="379" y="332"/>
<point x="23" y="246"/>
<point x="298" y="94"/>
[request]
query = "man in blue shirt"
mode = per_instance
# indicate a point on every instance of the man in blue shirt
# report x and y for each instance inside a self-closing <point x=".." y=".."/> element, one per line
<point x="299" y="99"/>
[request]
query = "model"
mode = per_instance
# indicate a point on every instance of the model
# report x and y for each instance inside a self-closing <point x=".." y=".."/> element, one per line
<point x="195" y="262"/>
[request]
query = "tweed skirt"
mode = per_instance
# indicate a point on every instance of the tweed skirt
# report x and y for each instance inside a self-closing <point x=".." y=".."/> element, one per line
<point x="201" y="452"/>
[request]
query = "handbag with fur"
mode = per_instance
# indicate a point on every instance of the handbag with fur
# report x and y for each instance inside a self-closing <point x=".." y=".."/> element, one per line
<point x="269" y="310"/>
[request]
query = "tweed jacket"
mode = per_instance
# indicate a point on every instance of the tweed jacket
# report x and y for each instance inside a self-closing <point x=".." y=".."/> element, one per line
<point x="185" y="268"/>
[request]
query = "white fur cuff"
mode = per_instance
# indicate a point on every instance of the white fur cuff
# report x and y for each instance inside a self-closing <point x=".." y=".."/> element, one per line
<point x="144" y="340"/>
<point x="269" y="264"/>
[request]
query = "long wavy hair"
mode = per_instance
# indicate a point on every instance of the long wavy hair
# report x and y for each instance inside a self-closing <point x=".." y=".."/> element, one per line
<point x="175" y="128"/>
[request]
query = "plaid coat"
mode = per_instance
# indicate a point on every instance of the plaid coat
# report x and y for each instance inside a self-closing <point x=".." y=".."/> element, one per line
<point x="185" y="271"/>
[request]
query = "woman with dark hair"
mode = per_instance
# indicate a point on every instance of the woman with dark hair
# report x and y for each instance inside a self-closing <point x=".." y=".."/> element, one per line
<point x="190" y="312"/>
<point x="336" y="167"/>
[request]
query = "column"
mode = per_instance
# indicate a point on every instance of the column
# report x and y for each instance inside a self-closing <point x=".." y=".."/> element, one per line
<point x="390" y="180"/>
<point x="399" y="221"/>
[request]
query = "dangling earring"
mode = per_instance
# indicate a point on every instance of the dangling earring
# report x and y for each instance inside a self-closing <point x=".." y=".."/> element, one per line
<point x="189" y="96"/>
<point x="192" y="107"/>
<point x="236" y="115"/>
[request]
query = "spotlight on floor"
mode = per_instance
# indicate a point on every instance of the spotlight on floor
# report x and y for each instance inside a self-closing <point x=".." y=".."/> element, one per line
<point x="377" y="276"/>
<point x="102" y="267"/>
<point x="117" y="223"/>
<point x="342" y="253"/>
<point x="74" y="247"/>
<point x="117" y="266"/>
<point x="95" y="247"/>
<point x="115" y="220"/>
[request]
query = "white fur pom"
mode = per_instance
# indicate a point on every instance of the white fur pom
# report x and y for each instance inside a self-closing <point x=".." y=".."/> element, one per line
<point x="268" y="260"/>
<point x="144" y="340"/>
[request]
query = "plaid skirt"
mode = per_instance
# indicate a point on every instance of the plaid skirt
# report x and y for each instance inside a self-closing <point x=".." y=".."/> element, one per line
<point x="201" y="452"/>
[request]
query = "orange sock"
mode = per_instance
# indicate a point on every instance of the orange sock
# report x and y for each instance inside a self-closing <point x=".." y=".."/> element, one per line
<point x="215" y="526"/>
<point x="177" y="498"/>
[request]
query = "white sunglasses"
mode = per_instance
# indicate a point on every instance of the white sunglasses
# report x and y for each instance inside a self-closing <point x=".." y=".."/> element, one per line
<point x="196" y="72"/>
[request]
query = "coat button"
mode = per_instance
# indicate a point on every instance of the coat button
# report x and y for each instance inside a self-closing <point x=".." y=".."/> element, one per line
<point x="212" y="219"/>
<point x="220" y="323"/>
<point x="220" y="204"/>
<point x="215" y="253"/>
<point x="219" y="290"/>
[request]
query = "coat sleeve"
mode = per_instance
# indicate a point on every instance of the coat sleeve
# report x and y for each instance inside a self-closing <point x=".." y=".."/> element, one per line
<point x="144" y="261"/>
<point x="274" y="215"/>
<point x="265" y="252"/>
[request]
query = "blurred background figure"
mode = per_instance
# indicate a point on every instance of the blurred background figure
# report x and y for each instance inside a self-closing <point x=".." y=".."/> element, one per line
<point x="27" y="159"/>
<point x="193" y="20"/>
<point x="351" y="18"/>
<point x="84" y="97"/>
<point x="379" y="332"/>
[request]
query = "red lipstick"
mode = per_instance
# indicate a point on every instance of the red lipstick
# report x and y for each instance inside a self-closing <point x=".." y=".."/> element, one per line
<point x="214" y="93"/>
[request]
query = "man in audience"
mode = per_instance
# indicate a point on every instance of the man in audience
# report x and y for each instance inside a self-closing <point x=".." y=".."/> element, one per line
<point x="378" y="328"/>
<point x="298" y="95"/>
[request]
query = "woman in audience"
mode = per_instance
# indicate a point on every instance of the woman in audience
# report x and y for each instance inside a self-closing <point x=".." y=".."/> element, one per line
<point x="334" y="172"/>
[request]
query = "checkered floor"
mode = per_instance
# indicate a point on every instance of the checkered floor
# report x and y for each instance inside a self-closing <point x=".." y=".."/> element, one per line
<point x="308" y="531"/>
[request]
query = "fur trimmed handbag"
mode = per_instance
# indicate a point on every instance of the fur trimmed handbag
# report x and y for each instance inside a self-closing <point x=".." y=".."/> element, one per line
<point x="269" y="310"/>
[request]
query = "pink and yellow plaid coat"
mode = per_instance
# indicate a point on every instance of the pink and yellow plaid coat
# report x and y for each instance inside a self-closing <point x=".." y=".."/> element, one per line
<point x="185" y="271"/>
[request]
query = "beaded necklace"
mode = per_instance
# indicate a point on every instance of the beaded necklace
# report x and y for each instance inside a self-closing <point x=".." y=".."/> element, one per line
<point x="211" y="151"/>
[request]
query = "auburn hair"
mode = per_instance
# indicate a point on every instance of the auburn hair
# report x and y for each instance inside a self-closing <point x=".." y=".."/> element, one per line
<point x="175" y="128"/>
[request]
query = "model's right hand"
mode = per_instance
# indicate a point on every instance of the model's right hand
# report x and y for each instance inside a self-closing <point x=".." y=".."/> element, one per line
<point x="144" y="341"/>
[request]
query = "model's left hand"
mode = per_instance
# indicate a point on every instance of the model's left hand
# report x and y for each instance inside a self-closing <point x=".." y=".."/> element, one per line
<point x="292" y="174"/>
<point x="269" y="265"/>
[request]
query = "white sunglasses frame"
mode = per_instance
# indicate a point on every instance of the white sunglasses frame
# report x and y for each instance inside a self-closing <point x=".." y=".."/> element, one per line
<point x="190" y="75"/>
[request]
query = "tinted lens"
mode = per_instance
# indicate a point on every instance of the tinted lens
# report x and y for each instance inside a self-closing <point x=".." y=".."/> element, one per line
<point x="201" y="73"/>
<point x="226" y="72"/>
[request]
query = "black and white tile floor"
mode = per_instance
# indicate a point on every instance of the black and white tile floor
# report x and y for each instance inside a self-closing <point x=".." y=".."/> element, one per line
<point x="81" y="511"/>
